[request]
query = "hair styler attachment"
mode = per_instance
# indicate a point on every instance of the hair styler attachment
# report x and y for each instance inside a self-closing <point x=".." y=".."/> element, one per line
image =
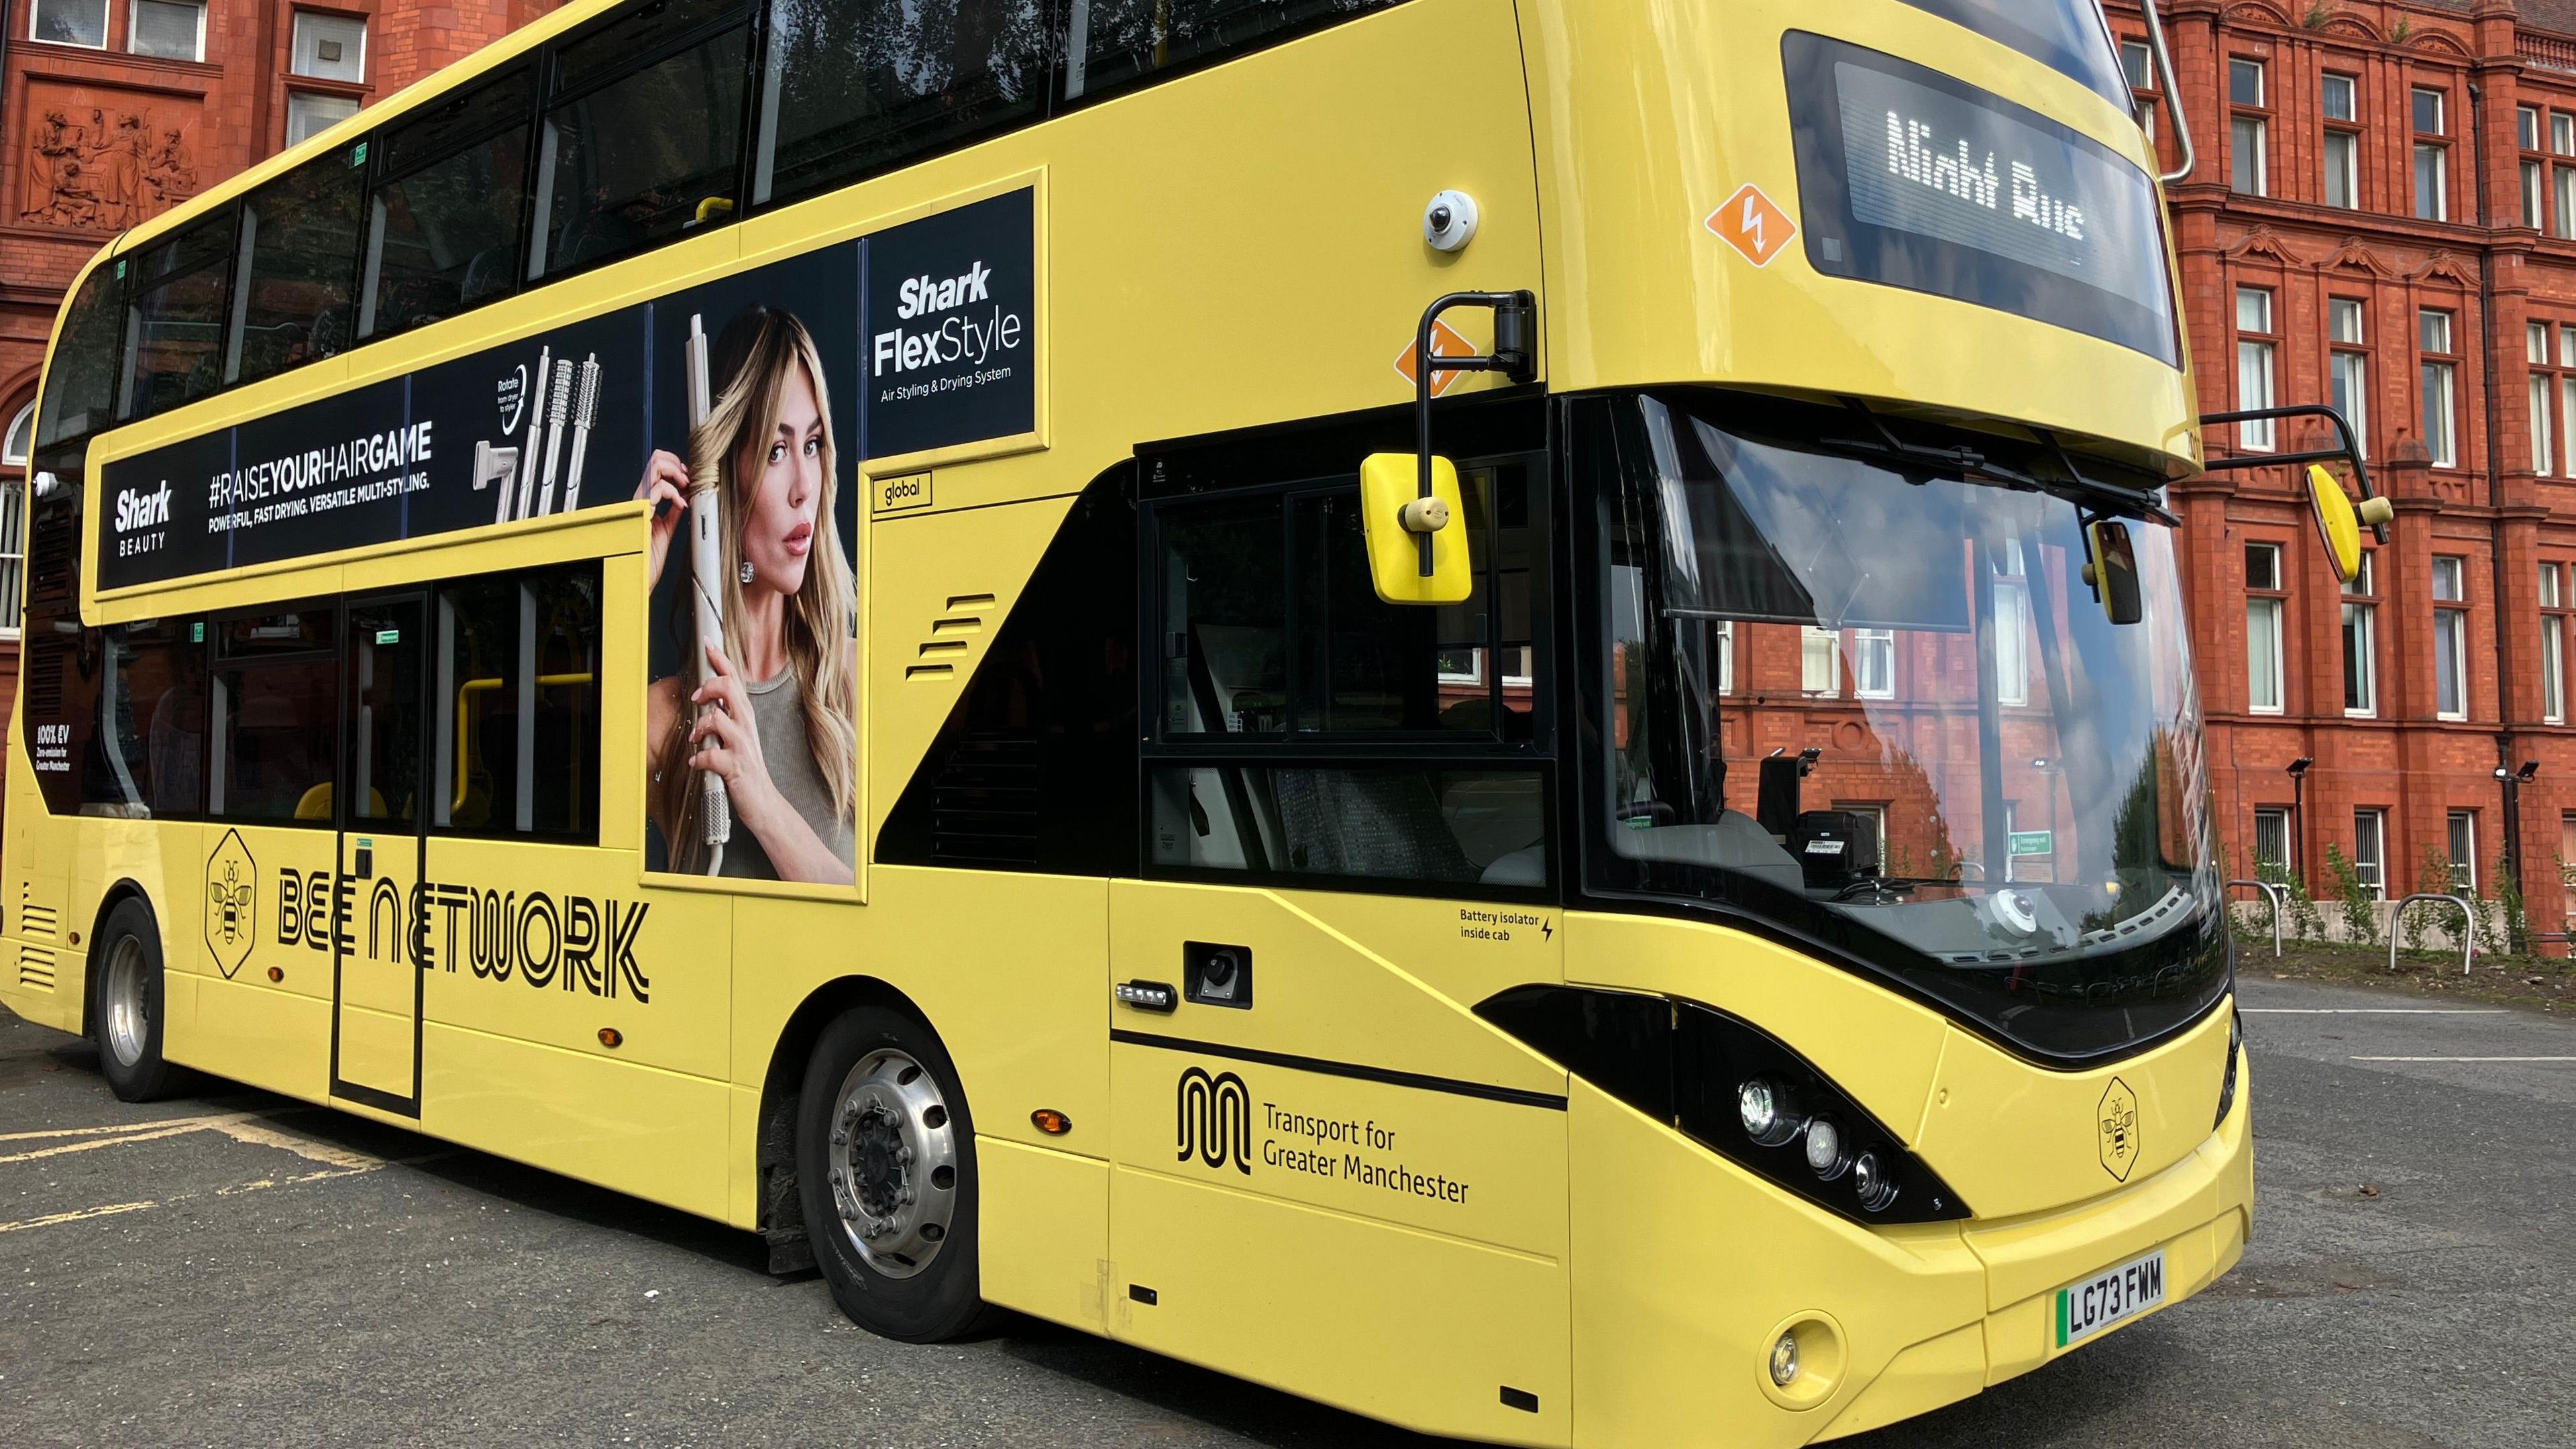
<point x="585" y="414"/>
<point x="515" y="505"/>
<point x="706" y="575"/>
<point x="558" y="408"/>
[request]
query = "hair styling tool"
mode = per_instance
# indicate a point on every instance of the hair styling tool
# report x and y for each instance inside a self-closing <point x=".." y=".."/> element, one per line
<point x="585" y="413"/>
<point x="536" y="405"/>
<point x="558" y="406"/>
<point x="706" y="575"/>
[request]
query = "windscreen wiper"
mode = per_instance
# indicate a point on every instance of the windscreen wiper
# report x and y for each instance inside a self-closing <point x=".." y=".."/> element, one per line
<point x="1969" y="462"/>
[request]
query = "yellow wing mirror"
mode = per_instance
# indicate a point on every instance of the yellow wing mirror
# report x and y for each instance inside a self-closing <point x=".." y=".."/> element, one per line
<point x="2340" y="521"/>
<point x="1401" y="525"/>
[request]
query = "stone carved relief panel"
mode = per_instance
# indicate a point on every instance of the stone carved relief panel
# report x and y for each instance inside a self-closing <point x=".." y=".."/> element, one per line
<point x="102" y="158"/>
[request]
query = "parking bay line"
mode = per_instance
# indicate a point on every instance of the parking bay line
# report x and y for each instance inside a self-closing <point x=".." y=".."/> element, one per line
<point x="2463" y="1059"/>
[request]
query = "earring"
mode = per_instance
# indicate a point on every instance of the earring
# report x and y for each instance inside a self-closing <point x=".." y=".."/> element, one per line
<point x="746" y="571"/>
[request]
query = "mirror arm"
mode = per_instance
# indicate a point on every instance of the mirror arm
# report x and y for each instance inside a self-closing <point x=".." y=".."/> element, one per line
<point x="1514" y="355"/>
<point x="2348" y="452"/>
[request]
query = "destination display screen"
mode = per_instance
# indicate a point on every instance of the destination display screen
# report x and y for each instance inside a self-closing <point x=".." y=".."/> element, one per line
<point x="1915" y="179"/>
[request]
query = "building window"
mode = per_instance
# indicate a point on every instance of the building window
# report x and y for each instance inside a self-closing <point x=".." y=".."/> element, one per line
<point x="1818" y="668"/>
<point x="309" y="115"/>
<point x="2441" y="387"/>
<point x="2450" y="638"/>
<point x="1874" y="663"/>
<point x="2349" y="367"/>
<point x="2271" y="839"/>
<point x="170" y="29"/>
<point x="2255" y="348"/>
<point x="69" y="22"/>
<point x="2544" y="394"/>
<point x="1726" y="656"/>
<point x="13" y="515"/>
<point x="2361" y="642"/>
<point x="2535" y="170"/>
<point x="2138" y="64"/>
<point x="2264" y="603"/>
<point x="2370" y="850"/>
<point x="2464" y="852"/>
<point x="2012" y="625"/>
<point x="2554" y="602"/>
<point x="330" y="47"/>
<point x="2343" y="143"/>
<point x="2562" y="146"/>
<point x="2248" y="170"/>
<point x="2432" y="159"/>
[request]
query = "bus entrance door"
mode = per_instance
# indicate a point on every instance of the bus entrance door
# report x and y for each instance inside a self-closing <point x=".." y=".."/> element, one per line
<point x="376" y="975"/>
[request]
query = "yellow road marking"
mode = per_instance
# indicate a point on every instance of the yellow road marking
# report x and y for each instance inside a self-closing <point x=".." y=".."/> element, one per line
<point x="119" y="1127"/>
<point x="54" y="1219"/>
<point x="96" y="1142"/>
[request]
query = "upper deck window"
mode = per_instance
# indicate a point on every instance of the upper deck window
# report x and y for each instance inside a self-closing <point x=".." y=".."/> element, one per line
<point x="175" y="318"/>
<point x="2064" y="35"/>
<point x="1914" y="179"/>
<point x="642" y="139"/>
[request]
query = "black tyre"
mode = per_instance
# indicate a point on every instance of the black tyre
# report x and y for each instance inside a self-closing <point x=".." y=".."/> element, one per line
<point x="125" y="1005"/>
<point x="885" y="1168"/>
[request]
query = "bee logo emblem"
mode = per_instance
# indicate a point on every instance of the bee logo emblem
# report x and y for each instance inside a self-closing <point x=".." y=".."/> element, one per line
<point x="232" y="894"/>
<point x="2117" y="1121"/>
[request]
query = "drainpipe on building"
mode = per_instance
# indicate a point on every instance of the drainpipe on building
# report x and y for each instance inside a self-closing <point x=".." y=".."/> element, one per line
<point x="2505" y="651"/>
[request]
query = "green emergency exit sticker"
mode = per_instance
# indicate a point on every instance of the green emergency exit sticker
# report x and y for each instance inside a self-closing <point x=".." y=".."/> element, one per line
<point x="2034" y="842"/>
<point x="358" y="154"/>
<point x="394" y="636"/>
<point x="197" y="633"/>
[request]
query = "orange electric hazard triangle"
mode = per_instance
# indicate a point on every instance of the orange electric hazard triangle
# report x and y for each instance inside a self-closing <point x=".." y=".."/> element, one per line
<point x="1445" y="342"/>
<point x="1753" y="224"/>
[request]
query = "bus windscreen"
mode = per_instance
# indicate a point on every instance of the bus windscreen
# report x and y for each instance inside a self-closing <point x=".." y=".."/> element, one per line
<point x="1913" y="179"/>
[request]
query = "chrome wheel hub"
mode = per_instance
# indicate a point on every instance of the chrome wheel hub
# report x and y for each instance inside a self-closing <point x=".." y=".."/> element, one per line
<point x="893" y="1163"/>
<point x="129" y="1019"/>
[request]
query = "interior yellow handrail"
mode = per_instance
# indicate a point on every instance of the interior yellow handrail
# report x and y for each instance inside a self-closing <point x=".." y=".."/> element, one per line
<point x="465" y="722"/>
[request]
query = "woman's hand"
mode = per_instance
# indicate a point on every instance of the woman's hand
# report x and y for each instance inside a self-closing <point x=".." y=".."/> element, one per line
<point x="666" y="480"/>
<point x="725" y="742"/>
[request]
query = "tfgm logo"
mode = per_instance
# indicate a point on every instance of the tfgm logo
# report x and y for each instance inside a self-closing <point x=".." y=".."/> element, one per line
<point x="1215" y="1119"/>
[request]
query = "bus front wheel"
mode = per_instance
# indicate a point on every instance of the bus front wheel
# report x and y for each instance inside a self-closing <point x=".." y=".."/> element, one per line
<point x="885" y="1170"/>
<point x="125" y="1004"/>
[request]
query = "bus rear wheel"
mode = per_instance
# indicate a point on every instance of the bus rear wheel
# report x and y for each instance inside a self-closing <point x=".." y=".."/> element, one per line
<point x="885" y="1170"/>
<point x="125" y="1005"/>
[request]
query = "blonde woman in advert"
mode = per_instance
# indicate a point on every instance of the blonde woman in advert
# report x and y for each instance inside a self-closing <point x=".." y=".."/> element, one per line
<point x="782" y="734"/>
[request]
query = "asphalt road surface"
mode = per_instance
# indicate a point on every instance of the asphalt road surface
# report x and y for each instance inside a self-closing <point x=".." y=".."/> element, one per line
<point x="240" y="1269"/>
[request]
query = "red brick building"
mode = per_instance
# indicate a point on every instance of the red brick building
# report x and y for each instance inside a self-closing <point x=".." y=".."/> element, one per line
<point x="111" y="110"/>
<point x="2384" y="217"/>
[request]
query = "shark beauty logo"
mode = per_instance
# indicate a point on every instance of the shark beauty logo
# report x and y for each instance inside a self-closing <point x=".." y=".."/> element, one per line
<point x="1215" y="1119"/>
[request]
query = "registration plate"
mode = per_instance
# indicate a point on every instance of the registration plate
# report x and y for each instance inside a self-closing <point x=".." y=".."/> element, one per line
<point x="2098" y="1302"/>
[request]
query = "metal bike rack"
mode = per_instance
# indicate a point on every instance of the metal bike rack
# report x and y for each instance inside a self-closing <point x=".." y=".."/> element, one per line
<point x="2273" y="894"/>
<point x="2468" y="927"/>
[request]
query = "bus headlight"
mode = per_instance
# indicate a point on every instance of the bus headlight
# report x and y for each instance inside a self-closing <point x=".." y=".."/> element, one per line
<point x="1737" y="1091"/>
<point x="1827" y="1154"/>
<point x="1764" y="1107"/>
<point x="1784" y="1360"/>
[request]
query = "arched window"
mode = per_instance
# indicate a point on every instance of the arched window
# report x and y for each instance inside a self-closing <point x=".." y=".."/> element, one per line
<point x="13" y="514"/>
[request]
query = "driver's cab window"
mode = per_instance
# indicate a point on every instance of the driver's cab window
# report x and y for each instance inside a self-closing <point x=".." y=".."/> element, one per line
<point x="1277" y="655"/>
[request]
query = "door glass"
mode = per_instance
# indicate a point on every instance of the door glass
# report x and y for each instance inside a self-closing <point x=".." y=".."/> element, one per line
<point x="385" y="711"/>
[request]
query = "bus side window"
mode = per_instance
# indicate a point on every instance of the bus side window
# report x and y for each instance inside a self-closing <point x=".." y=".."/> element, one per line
<point x="175" y="319"/>
<point x="1114" y="44"/>
<point x="517" y="744"/>
<point x="443" y="228"/>
<point x="150" y="740"/>
<point x="854" y="88"/>
<point x="299" y="237"/>
<point x="631" y="156"/>
<point x="80" y="390"/>
<point x="276" y="719"/>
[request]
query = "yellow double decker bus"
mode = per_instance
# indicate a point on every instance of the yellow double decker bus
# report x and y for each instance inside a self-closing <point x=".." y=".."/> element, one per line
<point x="862" y="619"/>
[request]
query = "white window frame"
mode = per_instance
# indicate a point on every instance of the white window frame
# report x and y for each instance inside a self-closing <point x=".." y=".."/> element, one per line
<point x="34" y="5"/>
<point x="2553" y="643"/>
<point x="2257" y="377"/>
<point x="2361" y="645"/>
<point x="2249" y="142"/>
<point x="2542" y="397"/>
<point x="2439" y="379"/>
<point x="2012" y="626"/>
<point x="2462" y="825"/>
<point x="295" y="94"/>
<point x="295" y="45"/>
<point x="2268" y="617"/>
<point x="133" y="9"/>
<point x="1869" y="645"/>
<point x="20" y="440"/>
<point x="1726" y="656"/>
<point x="2370" y="825"/>
<point x="2278" y="817"/>
<point x="2348" y="365"/>
<point x="15" y="447"/>
<point x="1827" y="644"/>
<point x="2451" y="623"/>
